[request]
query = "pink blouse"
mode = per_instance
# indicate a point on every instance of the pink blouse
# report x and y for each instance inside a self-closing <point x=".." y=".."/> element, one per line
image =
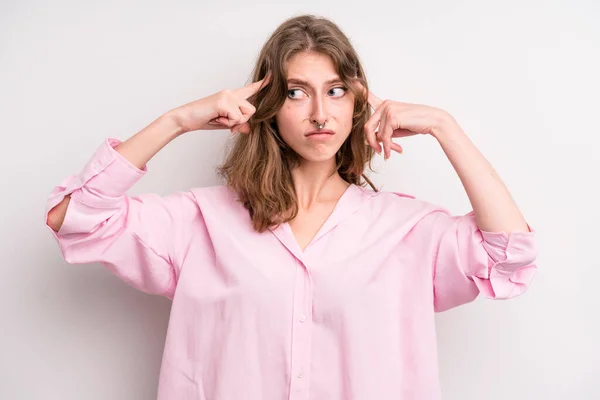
<point x="255" y="317"/>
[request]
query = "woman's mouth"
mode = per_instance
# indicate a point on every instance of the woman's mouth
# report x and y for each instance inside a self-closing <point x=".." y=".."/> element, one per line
<point x="321" y="134"/>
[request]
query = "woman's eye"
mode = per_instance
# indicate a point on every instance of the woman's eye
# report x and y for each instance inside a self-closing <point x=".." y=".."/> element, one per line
<point x="338" y="91"/>
<point x="334" y="92"/>
<point x="295" y="93"/>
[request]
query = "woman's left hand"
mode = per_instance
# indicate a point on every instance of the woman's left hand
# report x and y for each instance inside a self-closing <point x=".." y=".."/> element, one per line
<point x="397" y="119"/>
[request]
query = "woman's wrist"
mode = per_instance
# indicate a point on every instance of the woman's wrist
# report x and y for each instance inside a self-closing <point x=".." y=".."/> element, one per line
<point x="173" y="121"/>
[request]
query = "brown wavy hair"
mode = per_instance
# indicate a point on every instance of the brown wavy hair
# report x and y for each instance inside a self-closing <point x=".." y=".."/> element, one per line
<point x="258" y="165"/>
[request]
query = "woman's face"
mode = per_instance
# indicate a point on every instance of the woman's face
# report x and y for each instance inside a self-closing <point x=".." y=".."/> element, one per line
<point x="315" y="95"/>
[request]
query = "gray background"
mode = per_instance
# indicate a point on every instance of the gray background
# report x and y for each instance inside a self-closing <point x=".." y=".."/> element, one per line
<point x="521" y="77"/>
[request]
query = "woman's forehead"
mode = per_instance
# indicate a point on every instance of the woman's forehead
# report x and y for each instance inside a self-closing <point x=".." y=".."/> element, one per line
<point x="311" y="69"/>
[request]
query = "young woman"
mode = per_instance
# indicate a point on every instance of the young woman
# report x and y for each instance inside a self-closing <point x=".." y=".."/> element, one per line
<point x="292" y="280"/>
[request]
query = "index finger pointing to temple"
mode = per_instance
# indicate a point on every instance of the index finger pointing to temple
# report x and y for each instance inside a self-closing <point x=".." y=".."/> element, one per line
<point x="254" y="87"/>
<point x="374" y="101"/>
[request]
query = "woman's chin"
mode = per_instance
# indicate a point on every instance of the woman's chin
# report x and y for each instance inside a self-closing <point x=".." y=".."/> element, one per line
<point x="318" y="155"/>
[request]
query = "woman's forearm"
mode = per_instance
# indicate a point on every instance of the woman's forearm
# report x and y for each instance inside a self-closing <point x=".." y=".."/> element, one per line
<point x="144" y="145"/>
<point x="494" y="208"/>
<point x="138" y="150"/>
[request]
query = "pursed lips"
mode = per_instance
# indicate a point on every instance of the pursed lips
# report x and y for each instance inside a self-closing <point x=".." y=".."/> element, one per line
<point x="321" y="132"/>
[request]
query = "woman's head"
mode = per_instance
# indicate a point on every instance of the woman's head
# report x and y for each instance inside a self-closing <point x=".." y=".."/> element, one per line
<point x="315" y="78"/>
<point x="317" y="115"/>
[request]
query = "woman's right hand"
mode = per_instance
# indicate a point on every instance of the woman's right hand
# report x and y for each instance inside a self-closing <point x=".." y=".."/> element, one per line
<point x="227" y="109"/>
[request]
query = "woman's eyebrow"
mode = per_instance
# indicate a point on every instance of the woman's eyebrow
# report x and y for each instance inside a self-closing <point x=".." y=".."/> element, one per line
<point x="296" y="81"/>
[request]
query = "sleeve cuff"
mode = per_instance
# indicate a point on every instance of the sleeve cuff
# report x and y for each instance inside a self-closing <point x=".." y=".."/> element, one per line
<point x="106" y="177"/>
<point x="511" y="266"/>
<point x="102" y="182"/>
<point x="509" y="252"/>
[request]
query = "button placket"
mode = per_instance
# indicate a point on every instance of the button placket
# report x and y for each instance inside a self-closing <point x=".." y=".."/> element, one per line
<point x="301" y="334"/>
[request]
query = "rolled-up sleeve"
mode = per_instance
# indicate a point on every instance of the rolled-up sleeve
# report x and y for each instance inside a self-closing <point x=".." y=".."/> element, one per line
<point x="136" y="237"/>
<point x="468" y="261"/>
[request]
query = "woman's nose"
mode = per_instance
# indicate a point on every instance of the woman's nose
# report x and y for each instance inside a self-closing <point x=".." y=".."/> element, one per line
<point x="319" y="113"/>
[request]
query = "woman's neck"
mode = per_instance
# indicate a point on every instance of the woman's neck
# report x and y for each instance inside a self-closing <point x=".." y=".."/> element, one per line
<point x="317" y="182"/>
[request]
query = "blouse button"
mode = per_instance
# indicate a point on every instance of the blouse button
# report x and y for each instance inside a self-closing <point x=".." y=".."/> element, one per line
<point x="302" y="318"/>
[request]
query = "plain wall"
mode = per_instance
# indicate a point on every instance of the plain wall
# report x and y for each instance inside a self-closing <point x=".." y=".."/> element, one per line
<point x="521" y="77"/>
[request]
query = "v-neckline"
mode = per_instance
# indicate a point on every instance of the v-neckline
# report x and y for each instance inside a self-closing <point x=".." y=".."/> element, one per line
<point x="286" y="235"/>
